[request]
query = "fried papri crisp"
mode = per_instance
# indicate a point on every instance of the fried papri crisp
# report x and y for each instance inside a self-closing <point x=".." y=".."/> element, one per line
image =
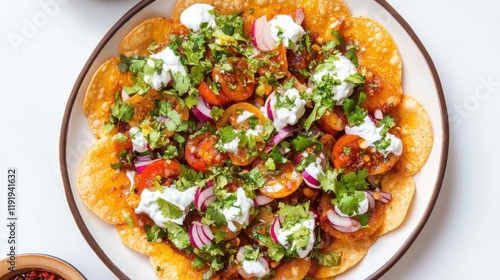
<point x="100" y="95"/>
<point x="402" y="189"/>
<point x="170" y="265"/>
<point x="416" y="135"/>
<point x="135" y="238"/>
<point x="323" y="16"/>
<point x="376" y="48"/>
<point x="140" y="38"/>
<point x="353" y="251"/>
<point x="100" y="187"/>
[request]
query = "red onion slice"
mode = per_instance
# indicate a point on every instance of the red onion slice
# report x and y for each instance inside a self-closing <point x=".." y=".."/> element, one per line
<point x="194" y="237"/>
<point x="381" y="196"/>
<point x="202" y="110"/>
<point x="299" y="16"/>
<point x="199" y="235"/>
<point x="283" y="134"/>
<point x="203" y="197"/>
<point x="275" y="229"/>
<point x="206" y="235"/>
<point x="262" y="200"/>
<point x="342" y="224"/>
<point x="261" y="31"/>
<point x="269" y="110"/>
<point x="371" y="200"/>
<point x="125" y="96"/>
<point x="311" y="180"/>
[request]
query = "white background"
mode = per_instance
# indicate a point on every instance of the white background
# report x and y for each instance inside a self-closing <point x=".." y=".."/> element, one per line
<point x="43" y="48"/>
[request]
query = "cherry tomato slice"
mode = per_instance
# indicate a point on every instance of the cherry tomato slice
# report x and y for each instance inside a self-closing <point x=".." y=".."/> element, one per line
<point x="165" y="169"/>
<point x="277" y="62"/>
<point x="283" y="183"/>
<point x="348" y="154"/>
<point x="209" y="95"/>
<point x="230" y="117"/>
<point x="231" y="114"/>
<point x="201" y="152"/>
<point x="237" y="84"/>
<point x="333" y="121"/>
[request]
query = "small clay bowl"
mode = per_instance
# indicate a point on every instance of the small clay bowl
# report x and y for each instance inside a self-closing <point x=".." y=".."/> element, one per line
<point x="38" y="262"/>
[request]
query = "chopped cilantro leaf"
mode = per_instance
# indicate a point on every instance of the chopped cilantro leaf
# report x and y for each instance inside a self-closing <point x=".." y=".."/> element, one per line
<point x="305" y="161"/>
<point x="356" y="78"/>
<point x="351" y="54"/>
<point x="254" y="177"/>
<point x="198" y="263"/>
<point x="355" y="114"/>
<point x="388" y="123"/>
<point x="329" y="180"/>
<point x="181" y="82"/>
<point x="188" y="178"/>
<point x="330" y="258"/>
<point x="347" y="191"/>
<point x="213" y="217"/>
<point x="177" y="235"/>
<point x="154" y="232"/>
<point x="121" y="111"/>
<point x="301" y="143"/>
<point x="363" y="219"/>
<point x="169" y="210"/>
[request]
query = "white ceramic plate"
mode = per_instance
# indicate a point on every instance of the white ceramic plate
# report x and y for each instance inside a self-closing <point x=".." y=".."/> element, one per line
<point x="420" y="80"/>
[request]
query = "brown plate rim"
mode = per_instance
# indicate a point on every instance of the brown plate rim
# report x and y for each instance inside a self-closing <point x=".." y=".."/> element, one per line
<point x="141" y="5"/>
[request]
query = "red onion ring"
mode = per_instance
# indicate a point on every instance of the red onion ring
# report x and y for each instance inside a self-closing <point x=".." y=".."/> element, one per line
<point x="299" y="16"/>
<point x="310" y="180"/>
<point x="342" y="224"/>
<point x="203" y="197"/>
<point x="200" y="235"/>
<point x="261" y="34"/>
<point x="283" y="134"/>
<point x="381" y="196"/>
<point x="261" y="199"/>
<point x="202" y="110"/>
<point x="371" y="199"/>
<point x="275" y="229"/>
<point x="124" y="95"/>
<point x="269" y="110"/>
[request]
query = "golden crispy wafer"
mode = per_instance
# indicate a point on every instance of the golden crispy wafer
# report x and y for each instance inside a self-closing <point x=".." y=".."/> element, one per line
<point x="169" y="264"/>
<point x="376" y="48"/>
<point x="100" y="187"/>
<point x="156" y="29"/>
<point x="135" y="238"/>
<point x="416" y="134"/>
<point x="352" y="251"/>
<point x="101" y="94"/>
<point x="402" y="189"/>
<point x="324" y="16"/>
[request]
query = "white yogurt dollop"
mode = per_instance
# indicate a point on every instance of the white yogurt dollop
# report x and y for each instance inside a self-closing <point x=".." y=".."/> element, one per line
<point x="197" y="14"/>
